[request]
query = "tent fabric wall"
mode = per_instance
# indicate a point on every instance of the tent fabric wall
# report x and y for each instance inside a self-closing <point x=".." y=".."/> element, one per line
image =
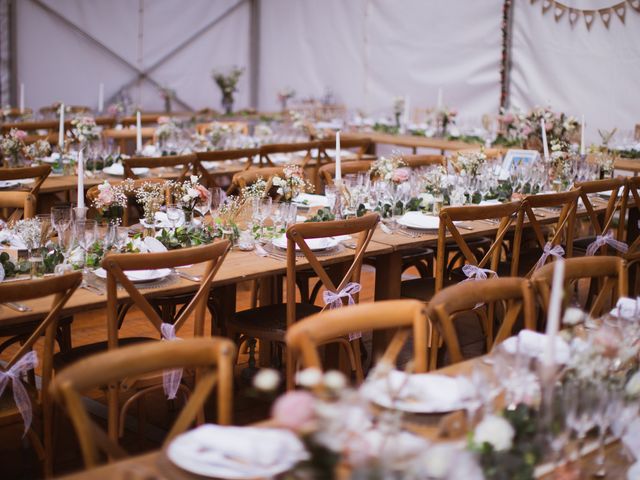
<point x="365" y="51"/>
<point x="592" y="73"/>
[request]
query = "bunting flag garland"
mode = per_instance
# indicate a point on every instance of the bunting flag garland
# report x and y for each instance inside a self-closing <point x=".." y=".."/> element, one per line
<point x="589" y="16"/>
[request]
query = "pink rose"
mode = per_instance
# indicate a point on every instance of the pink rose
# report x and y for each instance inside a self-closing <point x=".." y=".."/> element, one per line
<point x="294" y="410"/>
<point x="526" y="130"/>
<point x="608" y="341"/>
<point x="453" y="112"/>
<point x="401" y="175"/>
<point x="21" y="134"/>
<point x="112" y="110"/>
<point x="162" y="120"/>
<point x="105" y="197"/>
<point x="508" y="118"/>
<point x="202" y="191"/>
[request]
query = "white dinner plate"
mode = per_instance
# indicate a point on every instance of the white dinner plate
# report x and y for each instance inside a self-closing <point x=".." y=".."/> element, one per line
<point x="311" y="200"/>
<point x="9" y="183"/>
<point x="419" y="220"/>
<point x="236" y="452"/>
<point x="419" y="393"/>
<point x="117" y="170"/>
<point x="315" y="244"/>
<point x="139" y="276"/>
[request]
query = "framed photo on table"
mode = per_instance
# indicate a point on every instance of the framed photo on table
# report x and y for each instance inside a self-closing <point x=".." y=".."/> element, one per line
<point x="518" y="157"/>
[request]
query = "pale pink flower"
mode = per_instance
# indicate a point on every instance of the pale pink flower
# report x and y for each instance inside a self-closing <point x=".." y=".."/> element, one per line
<point x="508" y="118"/>
<point x="202" y="191"/>
<point x="21" y="134"/>
<point x="401" y="175"/>
<point x="163" y="119"/>
<point x="294" y="410"/>
<point x="105" y="197"/>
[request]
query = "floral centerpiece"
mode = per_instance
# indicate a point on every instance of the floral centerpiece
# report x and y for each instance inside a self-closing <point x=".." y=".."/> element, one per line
<point x="398" y="109"/>
<point x="38" y="150"/>
<point x="217" y="131"/>
<point x="559" y="126"/>
<point x="385" y="168"/>
<point x="257" y="189"/>
<point x="262" y="131"/>
<point x="12" y="146"/>
<point x="116" y="109"/>
<point x="151" y="196"/>
<point x="228" y="84"/>
<point x="292" y="183"/>
<point x="167" y="128"/>
<point x="509" y="129"/>
<point x="561" y="164"/>
<point x="284" y="96"/>
<point x="110" y="202"/>
<point x="188" y="194"/>
<point x="227" y="217"/>
<point x="445" y="117"/>
<point x="84" y="130"/>
<point x="471" y="162"/>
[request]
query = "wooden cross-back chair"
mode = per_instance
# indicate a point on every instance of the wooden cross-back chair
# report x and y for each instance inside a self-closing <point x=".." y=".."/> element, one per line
<point x="632" y="194"/>
<point x="93" y="192"/>
<point x="187" y="162"/>
<point x="327" y="172"/>
<point x="604" y="222"/>
<point x="357" y="146"/>
<point x="116" y="265"/>
<point x="269" y="323"/>
<point x="17" y="205"/>
<point x="417" y="161"/>
<point x="514" y="293"/>
<point x="38" y="174"/>
<point x="610" y="271"/>
<point x="60" y="288"/>
<point x="246" y="154"/>
<point x="15" y="114"/>
<point x="145" y="119"/>
<point x="270" y="149"/>
<point x="561" y="232"/>
<point x="406" y="317"/>
<point x="507" y="217"/>
<point x="248" y="177"/>
<point x="212" y="359"/>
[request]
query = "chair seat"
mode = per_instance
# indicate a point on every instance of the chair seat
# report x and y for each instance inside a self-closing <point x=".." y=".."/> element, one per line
<point x="62" y="359"/>
<point x="268" y="322"/>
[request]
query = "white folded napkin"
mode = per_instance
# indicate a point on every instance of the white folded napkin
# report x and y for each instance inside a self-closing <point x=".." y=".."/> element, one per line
<point x="626" y="307"/>
<point x="149" y="151"/>
<point x="534" y="344"/>
<point x="13" y="241"/>
<point x="148" y="245"/>
<point x="311" y="200"/>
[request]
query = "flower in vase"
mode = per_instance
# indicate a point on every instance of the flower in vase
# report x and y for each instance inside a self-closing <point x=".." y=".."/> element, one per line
<point x="294" y="410"/>
<point x="266" y="380"/>
<point x="401" y="175"/>
<point x="309" y="377"/>
<point x="496" y="431"/>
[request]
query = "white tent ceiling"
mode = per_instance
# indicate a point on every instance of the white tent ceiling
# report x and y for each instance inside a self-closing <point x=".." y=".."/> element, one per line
<point x="365" y="51"/>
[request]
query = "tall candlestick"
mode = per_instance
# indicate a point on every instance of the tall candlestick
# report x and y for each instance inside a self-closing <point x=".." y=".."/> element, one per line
<point x="22" y="98"/>
<point x="138" y="133"/>
<point x="101" y="97"/>
<point x="406" y="111"/>
<point x="439" y="98"/>
<point x="555" y="305"/>
<point x="544" y="140"/>
<point x="338" y="180"/>
<point x="61" y="130"/>
<point x="582" y="146"/>
<point x="80" y="179"/>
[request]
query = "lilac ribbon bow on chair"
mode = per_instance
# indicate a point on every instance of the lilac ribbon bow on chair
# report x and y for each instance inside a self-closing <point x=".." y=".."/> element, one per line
<point x="170" y="378"/>
<point x="20" y="395"/>
<point x="334" y="300"/>
<point x="476" y="273"/>
<point x="549" y="250"/>
<point x="607" y="239"/>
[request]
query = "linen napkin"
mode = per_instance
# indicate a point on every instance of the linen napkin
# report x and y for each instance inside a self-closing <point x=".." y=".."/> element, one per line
<point x="626" y="308"/>
<point x="13" y="241"/>
<point x="534" y="344"/>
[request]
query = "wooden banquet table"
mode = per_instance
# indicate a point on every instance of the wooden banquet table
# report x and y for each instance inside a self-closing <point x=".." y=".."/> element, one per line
<point x="412" y="141"/>
<point x="156" y="464"/>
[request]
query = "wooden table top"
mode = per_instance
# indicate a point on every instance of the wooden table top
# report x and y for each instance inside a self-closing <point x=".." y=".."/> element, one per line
<point x="156" y="464"/>
<point x="412" y="141"/>
<point x="628" y="164"/>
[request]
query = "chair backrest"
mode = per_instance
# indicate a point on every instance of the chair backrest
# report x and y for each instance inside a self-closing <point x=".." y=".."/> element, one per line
<point x="417" y="161"/>
<point x="611" y="272"/>
<point x="405" y="316"/>
<point x="116" y="265"/>
<point x="631" y="192"/>
<point x="187" y="162"/>
<point x="245" y="178"/>
<point x="564" y="205"/>
<point x="508" y="216"/>
<point x="328" y="171"/>
<point x="211" y="357"/>
<point x="38" y="174"/>
<point x="61" y="288"/>
<point x="516" y="294"/>
<point x="247" y="154"/>
<point x="17" y="205"/>
<point x="269" y="149"/>
<point x="358" y="145"/>
<point x="601" y="224"/>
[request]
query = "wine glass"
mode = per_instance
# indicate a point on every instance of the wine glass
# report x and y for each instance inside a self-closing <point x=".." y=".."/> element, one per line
<point x="330" y="192"/>
<point x="216" y="197"/>
<point x="261" y="211"/>
<point x="85" y="235"/>
<point x="61" y="220"/>
<point x="173" y="215"/>
<point x="203" y="204"/>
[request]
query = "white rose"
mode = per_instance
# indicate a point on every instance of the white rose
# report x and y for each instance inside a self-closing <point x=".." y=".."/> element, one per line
<point x="495" y="431"/>
<point x="309" y="377"/>
<point x="573" y="316"/>
<point x="335" y="380"/>
<point x="632" y="388"/>
<point x="194" y="179"/>
<point x="266" y="379"/>
<point x="193" y="193"/>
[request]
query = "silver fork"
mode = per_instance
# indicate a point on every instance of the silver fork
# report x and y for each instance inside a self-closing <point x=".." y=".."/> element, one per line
<point x="18" y="307"/>
<point x="188" y="276"/>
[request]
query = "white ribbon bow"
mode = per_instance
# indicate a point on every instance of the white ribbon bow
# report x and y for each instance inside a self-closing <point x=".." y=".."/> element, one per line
<point x="476" y="273"/>
<point x="20" y="395"/>
<point x="607" y="239"/>
<point x="334" y="300"/>
<point x="549" y="250"/>
<point x="170" y="378"/>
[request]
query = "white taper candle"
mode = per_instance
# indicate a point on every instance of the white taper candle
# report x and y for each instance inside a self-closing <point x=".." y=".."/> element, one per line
<point x="440" y="100"/>
<point x="61" y="129"/>
<point x="101" y="98"/>
<point x="338" y="160"/>
<point x="582" y="145"/>
<point x="555" y="306"/>
<point x="545" y="146"/>
<point x="138" y="132"/>
<point x="80" y="179"/>
<point x="22" y="98"/>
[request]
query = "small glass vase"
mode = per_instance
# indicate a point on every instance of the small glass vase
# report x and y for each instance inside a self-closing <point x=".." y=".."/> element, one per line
<point x="149" y="227"/>
<point x="227" y="104"/>
<point x="36" y="262"/>
<point x="188" y="217"/>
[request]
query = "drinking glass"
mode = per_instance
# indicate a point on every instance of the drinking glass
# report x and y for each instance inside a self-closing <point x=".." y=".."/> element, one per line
<point x="330" y="192"/>
<point x="261" y="211"/>
<point x="203" y="205"/>
<point x="85" y="235"/>
<point x="173" y="215"/>
<point x="61" y="220"/>
<point x="291" y="215"/>
<point x="216" y="197"/>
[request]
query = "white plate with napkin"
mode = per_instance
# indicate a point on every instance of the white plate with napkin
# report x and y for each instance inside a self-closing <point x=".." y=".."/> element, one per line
<point x="420" y="392"/>
<point x="315" y="244"/>
<point x="9" y="183"/>
<point x="534" y="344"/>
<point x="117" y="170"/>
<point x="311" y="200"/>
<point x="139" y="276"/>
<point x="419" y="220"/>
<point x="236" y="452"/>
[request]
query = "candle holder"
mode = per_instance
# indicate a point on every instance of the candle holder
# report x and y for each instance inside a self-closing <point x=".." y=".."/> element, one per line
<point x="80" y="213"/>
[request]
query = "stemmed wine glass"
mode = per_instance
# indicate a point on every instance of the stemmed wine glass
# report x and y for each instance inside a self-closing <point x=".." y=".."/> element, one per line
<point x="173" y="215"/>
<point x="261" y="211"/>
<point x="216" y="197"/>
<point x="85" y="235"/>
<point x="61" y="220"/>
<point x="203" y="205"/>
